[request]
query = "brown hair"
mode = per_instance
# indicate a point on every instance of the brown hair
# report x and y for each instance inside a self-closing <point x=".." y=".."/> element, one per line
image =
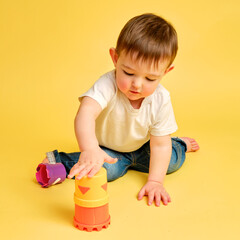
<point x="150" y="37"/>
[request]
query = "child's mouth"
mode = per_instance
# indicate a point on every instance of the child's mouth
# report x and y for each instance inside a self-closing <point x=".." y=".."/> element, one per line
<point x="134" y="92"/>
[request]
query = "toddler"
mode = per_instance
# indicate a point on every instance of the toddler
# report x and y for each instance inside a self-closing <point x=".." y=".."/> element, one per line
<point x="125" y="120"/>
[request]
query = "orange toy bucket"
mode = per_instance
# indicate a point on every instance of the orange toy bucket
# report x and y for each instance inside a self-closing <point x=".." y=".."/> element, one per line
<point x="91" y="202"/>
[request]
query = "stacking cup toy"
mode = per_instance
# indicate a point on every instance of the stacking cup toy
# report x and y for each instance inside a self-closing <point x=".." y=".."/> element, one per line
<point x="91" y="202"/>
<point x="49" y="174"/>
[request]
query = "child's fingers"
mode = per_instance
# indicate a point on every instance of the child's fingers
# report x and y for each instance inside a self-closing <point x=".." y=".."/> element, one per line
<point x="72" y="173"/>
<point x="150" y="198"/>
<point x="110" y="160"/>
<point x="76" y="169"/>
<point x="157" y="199"/>
<point x="84" y="172"/>
<point x="141" y="194"/>
<point x="93" y="171"/>
<point x="165" y="199"/>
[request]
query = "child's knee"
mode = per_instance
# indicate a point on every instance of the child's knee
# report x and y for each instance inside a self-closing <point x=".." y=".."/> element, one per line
<point x="177" y="158"/>
<point x="113" y="172"/>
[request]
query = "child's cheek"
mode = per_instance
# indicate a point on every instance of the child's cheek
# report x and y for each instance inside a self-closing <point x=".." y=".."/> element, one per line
<point x="123" y="85"/>
<point x="148" y="90"/>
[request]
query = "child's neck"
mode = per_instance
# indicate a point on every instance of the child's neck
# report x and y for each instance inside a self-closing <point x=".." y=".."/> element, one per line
<point x="136" y="104"/>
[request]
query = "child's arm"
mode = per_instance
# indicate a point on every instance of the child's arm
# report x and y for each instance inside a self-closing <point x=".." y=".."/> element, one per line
<point x="160" y="155"/>
<point x="92" y="156"/>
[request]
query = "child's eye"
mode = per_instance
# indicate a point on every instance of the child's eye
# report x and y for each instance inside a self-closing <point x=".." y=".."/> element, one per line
<point x="129" y="74"/>
<point x="149" y="79"/>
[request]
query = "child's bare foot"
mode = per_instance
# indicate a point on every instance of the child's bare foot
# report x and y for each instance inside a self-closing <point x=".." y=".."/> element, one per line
<point x="45" y="160"/>
<point x="192" y="145"/>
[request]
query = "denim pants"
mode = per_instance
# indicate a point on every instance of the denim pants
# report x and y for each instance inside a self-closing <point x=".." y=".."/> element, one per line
<point x="137" y="160"/>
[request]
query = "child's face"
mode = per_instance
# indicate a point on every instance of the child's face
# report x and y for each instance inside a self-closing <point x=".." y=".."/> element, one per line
<point x="137" y="79"/>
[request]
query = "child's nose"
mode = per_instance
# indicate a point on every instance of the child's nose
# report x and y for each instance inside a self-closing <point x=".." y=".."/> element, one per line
<point x="136" y="83"/>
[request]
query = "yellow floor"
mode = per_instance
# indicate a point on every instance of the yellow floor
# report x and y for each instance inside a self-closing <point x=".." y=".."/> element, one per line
<point x="52" y="51"/>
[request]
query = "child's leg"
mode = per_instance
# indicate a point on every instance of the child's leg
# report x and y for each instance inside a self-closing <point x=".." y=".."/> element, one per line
<point x="114" y="171"/>
<point x="138" y="160"/>
<point x="67" y="159"/>
<point x="118" y="169"/>
<point x="179" y="147"/>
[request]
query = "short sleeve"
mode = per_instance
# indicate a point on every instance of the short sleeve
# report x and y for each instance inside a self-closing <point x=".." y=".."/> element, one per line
<point x="103" y="89"/>
<point x="164" y="120"/>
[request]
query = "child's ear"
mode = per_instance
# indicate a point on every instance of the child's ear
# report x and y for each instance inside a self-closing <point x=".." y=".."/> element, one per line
<point x="113" y="55"/>
<point x="169" y="69"/>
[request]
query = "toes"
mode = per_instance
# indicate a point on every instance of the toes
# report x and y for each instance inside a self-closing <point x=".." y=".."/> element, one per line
<point x="195" y="148"/>
<point x="192" y="144"/>
<point x="191" y="140"/>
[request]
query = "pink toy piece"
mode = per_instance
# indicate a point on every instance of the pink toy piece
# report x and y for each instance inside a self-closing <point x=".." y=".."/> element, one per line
<point x="50" y="174"/>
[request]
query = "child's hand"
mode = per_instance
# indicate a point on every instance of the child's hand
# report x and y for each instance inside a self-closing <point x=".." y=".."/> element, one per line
<point x="90" y="162"/>
<point x="154" y="191"/>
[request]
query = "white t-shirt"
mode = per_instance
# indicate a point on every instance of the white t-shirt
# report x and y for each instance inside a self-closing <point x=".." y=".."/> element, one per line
<point x="122" y="128"/>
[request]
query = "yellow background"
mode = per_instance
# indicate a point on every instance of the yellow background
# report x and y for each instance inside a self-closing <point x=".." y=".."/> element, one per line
<point x="51" y="51"/>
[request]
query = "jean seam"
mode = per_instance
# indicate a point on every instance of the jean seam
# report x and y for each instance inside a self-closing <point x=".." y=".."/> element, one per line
<point x="142" y="166"/>
<point x="178" y="150"/>
<point x="124" y="171"/>
<point x="133" y="159"/>
<point x="147" y="150"/>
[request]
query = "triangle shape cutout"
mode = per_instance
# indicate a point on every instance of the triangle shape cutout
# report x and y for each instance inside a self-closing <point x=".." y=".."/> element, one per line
<point x="83" y="189"/>
<point x="104" y="186"/>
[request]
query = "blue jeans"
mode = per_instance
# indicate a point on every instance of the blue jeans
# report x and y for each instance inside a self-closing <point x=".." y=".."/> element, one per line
<point x="137" y="160"/>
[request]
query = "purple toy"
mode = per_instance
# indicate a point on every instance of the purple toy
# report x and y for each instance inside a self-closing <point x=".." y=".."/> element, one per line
<point x="50" y="174"/>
